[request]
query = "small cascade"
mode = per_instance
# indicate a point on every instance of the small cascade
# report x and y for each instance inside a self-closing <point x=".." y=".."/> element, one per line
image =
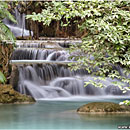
<point x="18" y="29"/>
<point x="56" y="80"/>
<point x="51" y="43"/>
<point x="40" y="54"/>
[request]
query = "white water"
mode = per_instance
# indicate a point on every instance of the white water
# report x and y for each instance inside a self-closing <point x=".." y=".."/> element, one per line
<point x="85" y="98"/>
<point x="18" y="29"/>
<point x="52" y="81"/>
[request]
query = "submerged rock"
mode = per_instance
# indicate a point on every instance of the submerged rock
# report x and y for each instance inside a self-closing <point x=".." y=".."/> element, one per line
<point x="9" y="95"/>
<point x="103" y="107"/>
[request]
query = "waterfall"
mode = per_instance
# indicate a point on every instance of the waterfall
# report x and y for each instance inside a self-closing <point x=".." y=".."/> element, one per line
<point x="18" y="29"/>
<point x="54" y="80"/>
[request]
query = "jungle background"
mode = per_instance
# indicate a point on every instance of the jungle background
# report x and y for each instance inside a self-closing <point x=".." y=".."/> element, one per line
<point x="103" y="26"/>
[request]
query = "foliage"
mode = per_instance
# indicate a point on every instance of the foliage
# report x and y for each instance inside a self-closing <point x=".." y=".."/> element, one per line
<point x="5" y="33"/>
<point x="126" y="102"/>
<point x="106" y="41"/>
<point x="2" y="78"/>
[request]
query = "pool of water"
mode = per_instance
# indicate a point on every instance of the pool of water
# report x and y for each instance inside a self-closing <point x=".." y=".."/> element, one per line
<point x="58" y="114"/>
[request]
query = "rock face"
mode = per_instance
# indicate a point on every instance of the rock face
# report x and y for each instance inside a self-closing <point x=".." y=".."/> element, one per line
<point x="5" y="55"/>
<point x="9" y="95"/>
<point x="103" y="107"/>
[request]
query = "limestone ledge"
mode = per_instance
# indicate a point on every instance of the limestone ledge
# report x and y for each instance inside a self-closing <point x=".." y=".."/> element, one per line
<point x="9" y="95"/>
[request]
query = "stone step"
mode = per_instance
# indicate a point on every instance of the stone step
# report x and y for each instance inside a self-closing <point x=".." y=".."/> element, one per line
<point x="45" y="43"/>
<point x="18" y="62"/>
<point x="32" y="48"/>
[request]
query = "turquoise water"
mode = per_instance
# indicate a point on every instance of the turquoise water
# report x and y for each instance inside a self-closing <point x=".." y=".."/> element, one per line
<point x="57" y="114"/>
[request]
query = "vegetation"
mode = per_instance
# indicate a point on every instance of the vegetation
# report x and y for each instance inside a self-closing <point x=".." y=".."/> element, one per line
<point x="106" y="27"/>
<point x="5" y="33"/>
<point x="2" y="78"/>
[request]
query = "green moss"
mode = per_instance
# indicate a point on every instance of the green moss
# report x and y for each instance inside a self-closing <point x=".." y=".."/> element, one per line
<point x="103" y="107"/>
<point x="9" y="95"/>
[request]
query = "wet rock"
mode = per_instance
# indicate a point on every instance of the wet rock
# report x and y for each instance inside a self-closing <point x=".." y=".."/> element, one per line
<point x="113" y="90"/>
<point x="9" y="95"/>
<point x="103" y="107"/>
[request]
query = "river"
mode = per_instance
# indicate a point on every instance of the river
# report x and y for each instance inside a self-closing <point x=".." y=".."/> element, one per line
<point x="59" y="114"/>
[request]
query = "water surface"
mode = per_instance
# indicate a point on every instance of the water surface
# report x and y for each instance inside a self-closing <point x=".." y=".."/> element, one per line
<point x="58" y="114"/>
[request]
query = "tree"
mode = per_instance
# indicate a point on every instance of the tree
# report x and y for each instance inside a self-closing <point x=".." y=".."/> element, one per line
<point x="106" y="27"/>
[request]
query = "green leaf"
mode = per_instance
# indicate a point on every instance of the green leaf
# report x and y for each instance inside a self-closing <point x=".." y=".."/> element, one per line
<point x="5" y="33"/>
<point x="2" y="78"/>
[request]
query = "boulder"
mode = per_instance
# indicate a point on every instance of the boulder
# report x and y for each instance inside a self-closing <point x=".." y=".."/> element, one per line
<point x="9" y="95"/>
<point x="103" y="107"/>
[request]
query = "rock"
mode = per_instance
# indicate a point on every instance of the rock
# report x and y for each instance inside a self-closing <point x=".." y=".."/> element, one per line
<point x="103" y="107"/>
<point x="14" y="77"/>
<point x="5" y="55"/>
<point x="9" y="95"/>
<point x="113" y="90"/>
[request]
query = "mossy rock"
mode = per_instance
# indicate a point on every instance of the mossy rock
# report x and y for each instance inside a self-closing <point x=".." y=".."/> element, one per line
<point x="6" y="51"/>
<point x="103" y="107"/>
<point x="9" y="95"/>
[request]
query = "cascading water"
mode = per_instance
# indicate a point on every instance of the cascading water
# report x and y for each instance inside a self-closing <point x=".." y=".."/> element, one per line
<point x="18" y="29"/>
<point x="55" y="80"/>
